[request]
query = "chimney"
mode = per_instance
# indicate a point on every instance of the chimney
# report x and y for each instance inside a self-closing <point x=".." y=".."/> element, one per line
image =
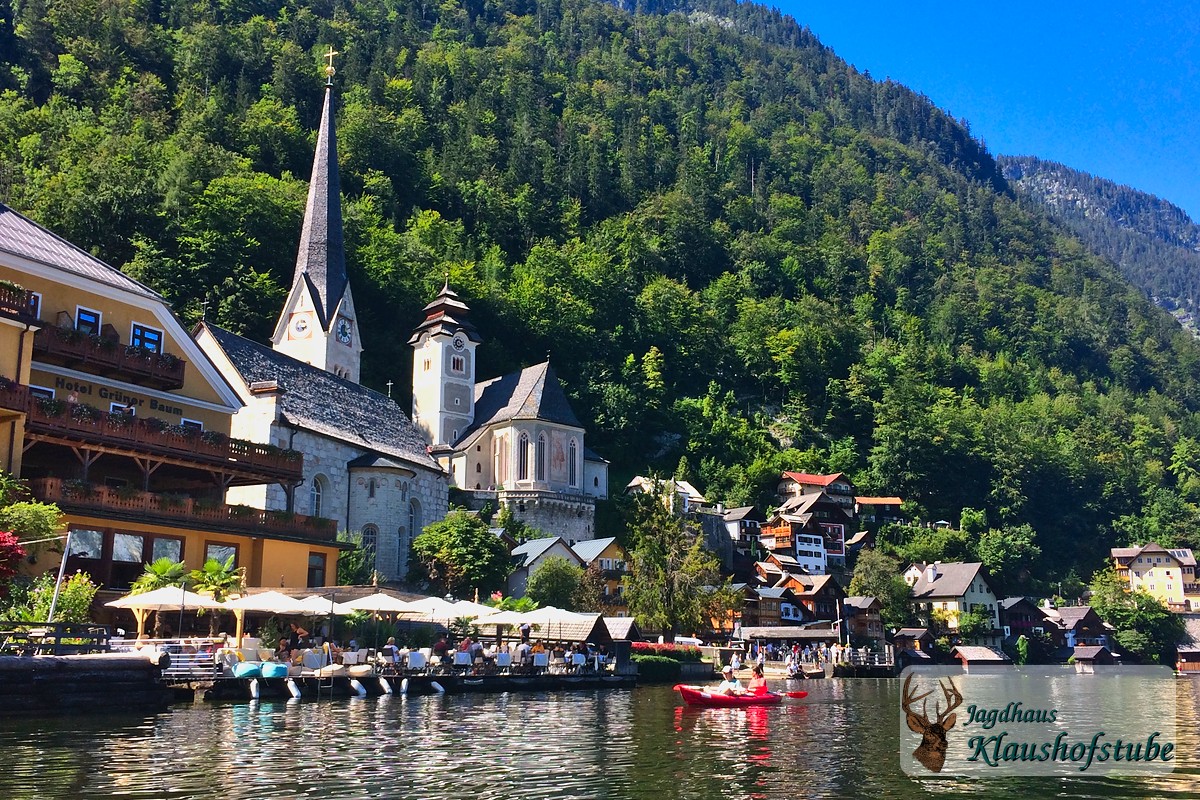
<point x="931" y="572"/>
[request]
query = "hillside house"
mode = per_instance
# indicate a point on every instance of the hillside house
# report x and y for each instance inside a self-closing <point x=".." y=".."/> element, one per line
<point x="530" y="555"/>
<point x="863" y="620"/>
<point x="954" y="588"/>
<point x="1169" y="575"/>
<point x="610" y="558"/>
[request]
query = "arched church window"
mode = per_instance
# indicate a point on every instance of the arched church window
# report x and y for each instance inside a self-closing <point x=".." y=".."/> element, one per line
<point x="414" y="517"/>
<point x="479" y="466"/>
<point x="370" y="544"/>
<point x="523" y="457"/>
<point x="572" y="468"/>
<point x="316" y="492"/>
<point x="540" y="466"/>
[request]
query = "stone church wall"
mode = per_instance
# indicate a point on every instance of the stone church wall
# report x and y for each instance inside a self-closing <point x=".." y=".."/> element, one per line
<point x="391" y="510"/>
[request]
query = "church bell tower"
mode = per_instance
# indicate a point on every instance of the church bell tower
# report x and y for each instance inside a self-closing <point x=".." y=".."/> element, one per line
<point x="318" y="324"/>
<point x="444" y="370"/>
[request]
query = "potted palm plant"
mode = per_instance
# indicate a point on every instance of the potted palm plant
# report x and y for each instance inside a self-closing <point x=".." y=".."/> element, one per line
<point x="159" y="574"/>
<point x="219" y="579"/>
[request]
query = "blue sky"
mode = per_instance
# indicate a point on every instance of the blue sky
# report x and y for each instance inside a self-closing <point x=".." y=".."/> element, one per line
<point x="1110" y="89"/>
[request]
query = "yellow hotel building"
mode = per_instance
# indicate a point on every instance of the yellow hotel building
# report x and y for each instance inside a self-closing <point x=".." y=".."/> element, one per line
<point x="109" y="409"/>
<point x="1169" y="575"/>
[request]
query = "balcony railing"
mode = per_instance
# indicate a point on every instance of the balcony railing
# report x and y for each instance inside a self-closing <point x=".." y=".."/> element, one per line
<point x="59" y="420"/>
<point x="18" y="303"/>
<point x="107" y="356"/>
<point x="76" y="495"/>
<point x="613" y="574"/>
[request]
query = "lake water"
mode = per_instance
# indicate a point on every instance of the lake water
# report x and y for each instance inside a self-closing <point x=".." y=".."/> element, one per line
<point x="842" y="741"/>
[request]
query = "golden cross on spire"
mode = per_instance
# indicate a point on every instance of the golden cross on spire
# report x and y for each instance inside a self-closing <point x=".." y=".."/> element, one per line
<point x="329" y="70"/>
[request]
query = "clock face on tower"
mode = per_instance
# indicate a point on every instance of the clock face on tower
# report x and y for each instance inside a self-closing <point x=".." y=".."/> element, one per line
<point x="299" y="328"/>
<point x="458" y="343"/>
<point x="343" y="330"/>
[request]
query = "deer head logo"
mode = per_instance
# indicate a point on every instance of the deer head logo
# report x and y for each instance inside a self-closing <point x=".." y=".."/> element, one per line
<point x="932" y="750"/>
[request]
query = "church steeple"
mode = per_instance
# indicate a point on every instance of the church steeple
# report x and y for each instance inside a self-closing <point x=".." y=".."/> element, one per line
<point x="318" y="320"/>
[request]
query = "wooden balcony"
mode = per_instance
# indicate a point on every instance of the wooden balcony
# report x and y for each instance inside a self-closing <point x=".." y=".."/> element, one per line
<point x="19" y="304"/>
<point x="102" y="355"/>
<point x="150" y="507"/>
<point x="80" y="425"/>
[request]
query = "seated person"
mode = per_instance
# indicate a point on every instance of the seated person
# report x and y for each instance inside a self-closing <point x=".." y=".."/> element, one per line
<point x="524" y="653"/>
<point x="730" y="685"/>
<point x="282" y="651"/>
<point x="391" y="651"/>
<point x="758" y="684"/>
<point x="441" y="648"/>
<point x="538" y="647"/>
<point x="465" y="645"/>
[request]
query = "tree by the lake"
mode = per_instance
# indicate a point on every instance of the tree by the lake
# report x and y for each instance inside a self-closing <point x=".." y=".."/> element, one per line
<point x="555" y="583"/>
<point x="670" y="569"/>
<point x="459" y="555"/>
<point x="878" y="575"/>
<point x="1145" y="627"/>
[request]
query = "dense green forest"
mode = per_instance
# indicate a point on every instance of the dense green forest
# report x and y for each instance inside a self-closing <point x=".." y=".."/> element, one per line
<point x="1154" y="242"/>
<point x="743" y="255"/>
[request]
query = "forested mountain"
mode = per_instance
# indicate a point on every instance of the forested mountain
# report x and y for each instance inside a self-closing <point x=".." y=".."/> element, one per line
<point x="742" y="254"/>
<point x="1155" y="243"/>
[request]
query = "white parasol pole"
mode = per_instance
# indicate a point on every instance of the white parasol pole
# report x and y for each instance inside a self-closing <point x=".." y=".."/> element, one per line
<point x="62" y="568"/>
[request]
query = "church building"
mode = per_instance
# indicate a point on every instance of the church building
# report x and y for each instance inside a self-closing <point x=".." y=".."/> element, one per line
<point x="512" y="441"/>
<point x="365" y="464"/>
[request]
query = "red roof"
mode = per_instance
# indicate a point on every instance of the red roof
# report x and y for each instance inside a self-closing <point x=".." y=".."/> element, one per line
<point x="808" y="479"/>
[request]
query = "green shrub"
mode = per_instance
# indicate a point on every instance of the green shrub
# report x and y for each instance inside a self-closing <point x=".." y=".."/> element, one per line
<point x="675" y="652"/>
<point x="656" y="668"/>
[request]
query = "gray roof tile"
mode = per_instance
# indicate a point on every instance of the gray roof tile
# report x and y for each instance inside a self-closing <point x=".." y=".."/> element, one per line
<point x="326" y="404"/>
<point x="952" y="580"/>
<point x="23" y="237"/>
<point x="532" y="393"/>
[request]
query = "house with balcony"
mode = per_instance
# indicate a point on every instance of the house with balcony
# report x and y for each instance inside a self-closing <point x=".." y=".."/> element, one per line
<point x="863" y="618"/>
<point x="609" y="557"/>
<point x="1073" y="626"/>
<point x="116" y="415"/>
<point x="872" y="511"/>
<point x="1167" y="574"/>
<point x="743" y="524"/>
<point x="811" y="528"/>
<point x="953" y="589"/>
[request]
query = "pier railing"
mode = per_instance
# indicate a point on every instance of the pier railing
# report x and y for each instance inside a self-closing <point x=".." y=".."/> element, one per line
<point x="52" y="638"/>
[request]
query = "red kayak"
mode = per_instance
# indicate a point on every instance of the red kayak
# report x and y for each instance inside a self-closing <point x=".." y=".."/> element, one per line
<point x="699" y="696"/>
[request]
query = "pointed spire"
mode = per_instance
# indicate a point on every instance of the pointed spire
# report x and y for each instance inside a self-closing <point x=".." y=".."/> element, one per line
<point x="321" y="262"/>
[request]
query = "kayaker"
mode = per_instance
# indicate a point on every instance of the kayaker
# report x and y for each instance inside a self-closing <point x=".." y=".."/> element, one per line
<point x="731" y="685"/>
<point x="758" y="684"/>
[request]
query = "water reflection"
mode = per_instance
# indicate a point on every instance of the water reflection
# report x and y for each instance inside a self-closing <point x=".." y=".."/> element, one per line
<point x="842" y="741"/>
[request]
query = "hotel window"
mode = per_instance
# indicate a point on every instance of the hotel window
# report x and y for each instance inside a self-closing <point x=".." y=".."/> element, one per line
<point x="166" y="548"/>
<point x="220" y="552"/>
<point x="41" y="391"/>
<point x="87" y="320"/>
<point x="118" y="408"/>
<point x="191" y="424"/>
<point x="146" y="338"/>
<point x="316" y="569"/>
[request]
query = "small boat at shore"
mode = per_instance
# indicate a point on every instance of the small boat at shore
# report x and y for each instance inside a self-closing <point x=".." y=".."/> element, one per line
<point x="699" y="696"/>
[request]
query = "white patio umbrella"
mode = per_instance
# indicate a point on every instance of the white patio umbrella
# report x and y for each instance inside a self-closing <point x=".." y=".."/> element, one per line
<point x="322" y="606"/>
<point x="269" y="602"/>
<point x="436" y="609"/>
<point x="168" y="598"/>
<point x="379" y="603"/>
